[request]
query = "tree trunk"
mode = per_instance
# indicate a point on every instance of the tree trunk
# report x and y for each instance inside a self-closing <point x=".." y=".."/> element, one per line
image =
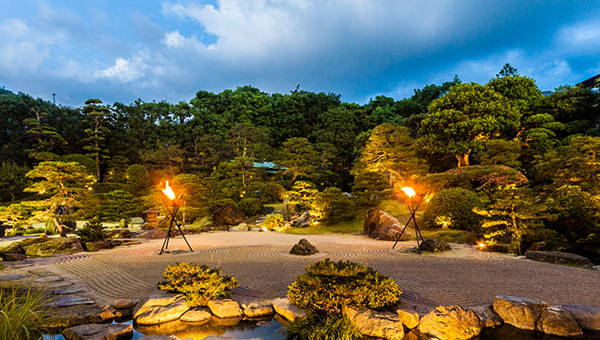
<point x="60" y="228"/>
<point x="463" y="160"/>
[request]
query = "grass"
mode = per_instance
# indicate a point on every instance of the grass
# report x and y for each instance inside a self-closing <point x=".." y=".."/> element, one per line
<point x="22" y="313"/>
<point x="448" y="236"/>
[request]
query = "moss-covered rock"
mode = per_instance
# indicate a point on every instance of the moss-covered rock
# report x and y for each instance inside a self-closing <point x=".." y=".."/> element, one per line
<point x="60" y="245"/>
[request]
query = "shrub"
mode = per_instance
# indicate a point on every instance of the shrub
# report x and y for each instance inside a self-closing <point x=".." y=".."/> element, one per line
<point x="274" y="221"/>
<point x="453" y="207"/>
<point x="317" y="327"/>
<point x="23" y="313"/>
<point x="138" y="180"/>
<point x="199" y="284"/>
<point x="333" y="206"/>
<point x="302" y="194"/>
<point x="327" y="287"/>
<point x="272" y="192"/>
<point x="91" y="232"/>
<point x="250" y="206"/>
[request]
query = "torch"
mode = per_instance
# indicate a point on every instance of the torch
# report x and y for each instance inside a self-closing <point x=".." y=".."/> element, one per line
<point x="412" y="208"/>
<point x="172" y="214"/>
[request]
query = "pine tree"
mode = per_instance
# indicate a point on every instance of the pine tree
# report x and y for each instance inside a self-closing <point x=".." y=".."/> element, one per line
<point x="96" y="117"/>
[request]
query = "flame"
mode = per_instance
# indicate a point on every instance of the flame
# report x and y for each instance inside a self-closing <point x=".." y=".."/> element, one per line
<point x="482" y="245"/>
<point x="410" y="192"/>
<point x="168" y="191"/>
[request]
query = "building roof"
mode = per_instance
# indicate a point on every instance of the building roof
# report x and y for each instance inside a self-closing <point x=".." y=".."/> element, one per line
<point x="589" y="82"/>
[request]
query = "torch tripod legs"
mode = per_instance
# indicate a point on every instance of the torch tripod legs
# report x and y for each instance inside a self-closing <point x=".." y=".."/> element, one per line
<point x="413" y="211"/>
<point x="166" y="241"/>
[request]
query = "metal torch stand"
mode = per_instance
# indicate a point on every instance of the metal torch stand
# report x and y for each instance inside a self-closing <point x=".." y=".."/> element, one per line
<point x="173" y="213"/>
<point x="413" y="211"/>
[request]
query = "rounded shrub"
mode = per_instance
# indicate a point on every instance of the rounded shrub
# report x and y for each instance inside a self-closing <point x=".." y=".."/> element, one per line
<point x="328" y="286"/>
<point x="453" y="208"/>
<point x="272" y="192"/>
<point x="274" y="221"/>
<point x="250" y="206"/>
<point x="332" y="205"/>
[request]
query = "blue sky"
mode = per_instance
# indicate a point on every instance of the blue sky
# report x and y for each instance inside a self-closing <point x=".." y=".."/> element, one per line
<point x="169" y="50"/>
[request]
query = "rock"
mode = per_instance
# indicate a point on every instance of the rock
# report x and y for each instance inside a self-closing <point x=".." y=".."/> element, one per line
<point x="255" y="310"/>
<point x="97" y="245"/>
<point x="285" y="308"/>
<point x="558" y="257"/>
<point x="383" y="226"/>
<point x="221" y="337"/>
<point x="451" y="323"/>
<point x="14" y="248"/>
<point x="587" y="317"/>
<point x="197" y="315"/>
<point x="14" y="257"/>
<point x="82" y="314"/>
<point x="239" y="227"/>
<point x="68" y="291"/>
<point x="161" y="309"/>
<point x="71" y="301"/>
<point x="489" y="319"/>
<point x="118" y="233"/>
<point x="123" y="223"/>
<point x="302" y="221"/>
<point x="434" y="246"/>
<point x="59" y="245"/>
<point x="11" y="277"/>
<point x="166" y="328"/>
<point x="409" y="318"/>
<point x="303" y="248"/>
<point x="228" y="322"/>
<point x="159" y="337"/>
<point x="267" y="210"/>
<point x="152" y="234"/>
<point x="556" y="321"/>
<point x="25" y="243"/>
<point x="225" y="308"/>
<point x="378" y="324"/>
<point x="228" y="215"/>
<point x="519" y="312"/>
<point x="137" y="220"/>
<point x="125" y="304"/>
<point x="256" y="229"/>
<point x="99" y="332"/>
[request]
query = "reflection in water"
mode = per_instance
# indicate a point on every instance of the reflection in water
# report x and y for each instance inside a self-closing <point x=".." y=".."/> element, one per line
<point x="508" y="333"/>
<point x="264" y="328"/>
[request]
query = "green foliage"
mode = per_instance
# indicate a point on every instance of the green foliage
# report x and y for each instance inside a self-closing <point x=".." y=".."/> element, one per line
<point x="194" y="193"/>
<point x="299" y="158"/>
<point x="316" y="327"/>
<point x="24" y="313"/>
<point x="331" y="205"/>
<point x="12" y="181"/>
<point x="138" y="180"/>
<point x="198" y="283"/>
<point x="274" y="221"/>
<point x="272" y="193"/>
<point x="370" y="188"/>
<point x="96" y="118"/>
<point x="327" y="287"/>
<point x="453" y="208"/>
<point x="303" y="193"/>
<point x="91" y="231"/>
<point x="250" y="206"/>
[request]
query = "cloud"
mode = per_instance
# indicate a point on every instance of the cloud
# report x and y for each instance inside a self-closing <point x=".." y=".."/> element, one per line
<point x="124" y="71"/>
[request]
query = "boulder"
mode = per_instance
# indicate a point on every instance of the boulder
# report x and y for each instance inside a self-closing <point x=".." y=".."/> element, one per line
<point x="285" y="308"/>
<point x="228" y="215"/>
<point x="26" y="243"/>
<point x="161" y="309"/>
<point x="14" y="257"/>
<point x="255" y="310"/>
<point x="409" y="318"/>
<point x="239" y="227"/>
<point x="383" y="226"/>
<point x="489" y="319"/>
<point x="59" y="245"/>
<point x="137" y="220"/>
<point x="80" y="315"/>
<point x="378" y="324"/>
<point x="556" y="321"/>
<point x="434" y="246"/>
<point x="125" y="304"/>
<point x="225" y="308"/>
<point x="303" y="248"/>
<point x="451" y="323"/>
<point x="99" y="332"/>
<point x="303" y="221"/>
<point x="152" y="234"/>
<point x="97" y="245"/>
<point x="198" y="315"/>
<point x="587" y="317"/>
<point x="519" y="312"/>
<point x="123" y="223"/>
<point x="118" y="233"/>
<point x="558" y="257"/>
<point x="13" y="248"/>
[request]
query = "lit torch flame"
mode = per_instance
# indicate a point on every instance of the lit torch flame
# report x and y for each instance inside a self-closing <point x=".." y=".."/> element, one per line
<point x="168" y="191"/>
<point x="410" y="192"/>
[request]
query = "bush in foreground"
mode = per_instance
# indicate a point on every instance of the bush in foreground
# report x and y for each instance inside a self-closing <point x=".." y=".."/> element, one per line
<point x="22" y="314"/>
<point x="199" y="284"/>
<point x="316" y="327"/>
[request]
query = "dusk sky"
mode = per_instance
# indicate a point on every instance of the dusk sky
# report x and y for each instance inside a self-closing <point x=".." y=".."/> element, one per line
<point x="118" y="51"/>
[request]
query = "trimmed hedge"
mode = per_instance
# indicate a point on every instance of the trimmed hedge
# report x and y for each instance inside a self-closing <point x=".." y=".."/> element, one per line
<point x="453" y="207"/>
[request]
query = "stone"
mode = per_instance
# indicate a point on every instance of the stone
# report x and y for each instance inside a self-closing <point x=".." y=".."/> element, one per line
<point x="159" y="337"/>
<point x="228" y="215"/>
<point x="409" y="318"/>
<point x="255" y="310"/>
<point x="68" y="291"/>
<point x="256" y="229"/>
<point x="161" y="309"/>
<point x="451" y="323"/>
<point x="48" y="279"/>
<point x="556" y="321"/>
<point x="227" y="322"/>
<point x="11" y="277"/>
<point x="166" y="328"/>
<point x="301" y="222"/>
<point x="123" y="223"/>
<point x="239" y="227"/>
<point x="489" y="319"/>
<point x="303" y="248"/>
<point x="378" y="324"/>
<point x="152" y="234"/>
<point x="225" y="308"/>
<point x="285" y="308"/>
<point x="434" y="246"/>
<point x="97" y="245"/>
<point x="197" y="315"/>
<point x="118" y="233"/>
<point x="82" y="314"/>
<point x="71" y="301"/>
<point x="124" y="304"/>
<point x="587" y="317"/>
<point x="32" y="240"/>
<point x="13" y="248"/>
<point x="14" y="257"/>
<point x="58" y="245"/>
<point x="99" y="332"/>
<point x="558" y="257"/>
<point x="519" y="312"/>
<point x="137" y="220"/>
<point x="382" y="226"/>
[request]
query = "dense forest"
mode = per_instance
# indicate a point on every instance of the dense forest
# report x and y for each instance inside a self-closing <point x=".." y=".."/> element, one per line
<point x="529" y="164"/>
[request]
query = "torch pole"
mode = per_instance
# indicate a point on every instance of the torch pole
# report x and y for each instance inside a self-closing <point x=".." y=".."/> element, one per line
<point x="173" y="214"/>
<point x="413" y="211"/>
